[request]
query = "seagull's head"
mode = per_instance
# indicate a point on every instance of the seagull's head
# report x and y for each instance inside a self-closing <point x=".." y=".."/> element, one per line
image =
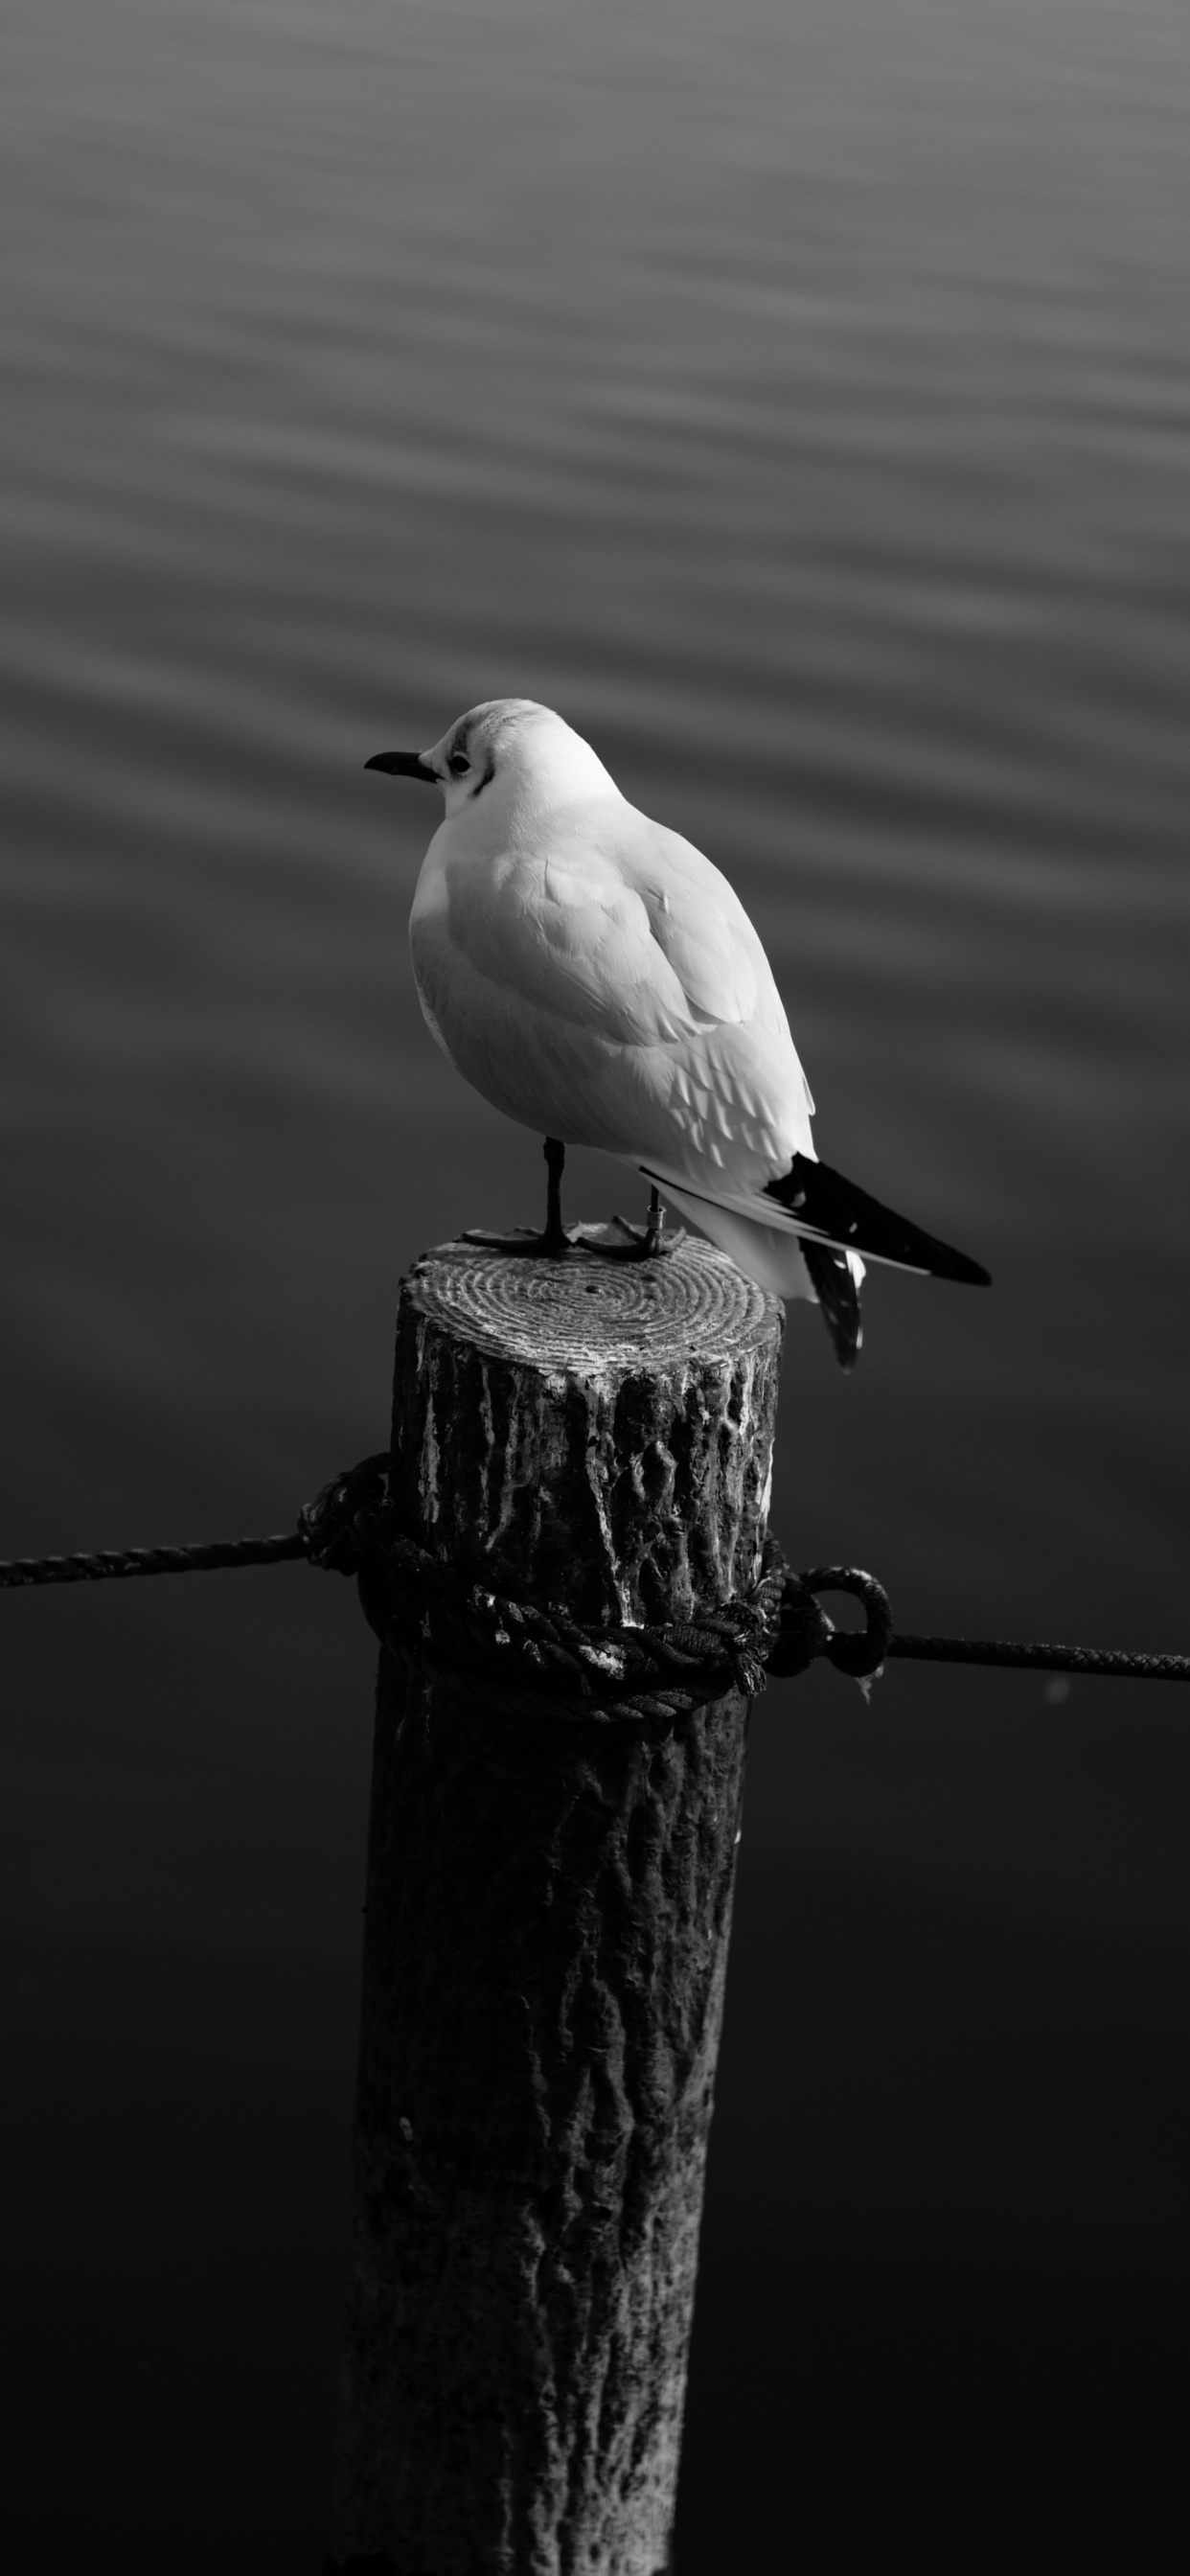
<point x="505" y="745"/>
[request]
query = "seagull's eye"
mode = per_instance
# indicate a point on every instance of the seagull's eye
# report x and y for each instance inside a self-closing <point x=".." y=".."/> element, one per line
<point x="458" y="764"/>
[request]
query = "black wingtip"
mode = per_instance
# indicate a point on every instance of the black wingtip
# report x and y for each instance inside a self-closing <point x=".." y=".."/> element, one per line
<point x="838" y="1296"/>
<point x="856" y="1222"/>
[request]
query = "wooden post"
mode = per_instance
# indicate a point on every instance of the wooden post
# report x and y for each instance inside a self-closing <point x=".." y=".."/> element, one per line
<point x="547" y="1919"/>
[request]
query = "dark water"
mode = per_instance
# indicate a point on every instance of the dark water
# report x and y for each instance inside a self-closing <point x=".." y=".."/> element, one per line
<point x="798" y="398"/>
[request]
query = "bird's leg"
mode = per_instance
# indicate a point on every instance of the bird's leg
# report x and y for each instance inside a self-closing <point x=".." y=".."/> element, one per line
<point x="555" y="1239"/>
<point x="554" y="1243"/>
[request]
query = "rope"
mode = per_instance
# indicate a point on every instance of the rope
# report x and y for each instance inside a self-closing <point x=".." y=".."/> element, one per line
<point x="524" y="1657"/>
<point x="1045" y="1659"/>
<point x="205" y="1557"/>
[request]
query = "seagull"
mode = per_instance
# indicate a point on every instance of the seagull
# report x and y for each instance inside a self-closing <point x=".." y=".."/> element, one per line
<point x="598" y="980"/>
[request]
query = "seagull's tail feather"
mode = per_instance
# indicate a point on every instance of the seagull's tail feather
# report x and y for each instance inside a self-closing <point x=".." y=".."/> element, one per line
<point x="822" y="1227"/>
<point x="834" y="1276"/>
<point x="832" y="1210"/>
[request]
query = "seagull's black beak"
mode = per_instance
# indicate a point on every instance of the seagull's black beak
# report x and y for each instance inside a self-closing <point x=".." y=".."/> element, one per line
<point x="405" y="764"/>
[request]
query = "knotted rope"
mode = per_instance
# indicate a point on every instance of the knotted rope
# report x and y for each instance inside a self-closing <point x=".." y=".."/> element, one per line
<point x="525" y="1656"/>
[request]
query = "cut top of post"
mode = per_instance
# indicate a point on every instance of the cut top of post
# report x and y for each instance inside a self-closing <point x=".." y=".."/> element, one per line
<point x="590" y="1433"/>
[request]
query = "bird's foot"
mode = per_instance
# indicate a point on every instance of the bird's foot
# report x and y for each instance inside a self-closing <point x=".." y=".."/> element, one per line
<point x="641" y="1243"/>
<point x="555" y="1243"/>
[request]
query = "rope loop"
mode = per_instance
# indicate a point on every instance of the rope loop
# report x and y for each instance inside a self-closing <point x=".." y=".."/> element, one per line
<point x="859" y="1652"/>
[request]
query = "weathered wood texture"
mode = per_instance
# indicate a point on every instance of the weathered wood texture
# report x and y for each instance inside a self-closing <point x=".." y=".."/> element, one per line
<point x="546" y="1938"/>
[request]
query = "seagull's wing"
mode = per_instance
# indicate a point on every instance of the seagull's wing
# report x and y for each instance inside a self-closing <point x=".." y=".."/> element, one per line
<point x="739" y="1096"/>
<point x="616" y="925"/>
<point x="697" y="925"/>
<point x="745" y="1143"/>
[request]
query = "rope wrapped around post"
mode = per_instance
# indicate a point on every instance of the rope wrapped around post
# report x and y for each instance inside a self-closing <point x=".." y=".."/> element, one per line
<point x="620" y="1673"/>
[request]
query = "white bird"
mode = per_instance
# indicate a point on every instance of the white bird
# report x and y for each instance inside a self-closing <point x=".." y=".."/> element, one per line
<point x="597" y="979"/>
